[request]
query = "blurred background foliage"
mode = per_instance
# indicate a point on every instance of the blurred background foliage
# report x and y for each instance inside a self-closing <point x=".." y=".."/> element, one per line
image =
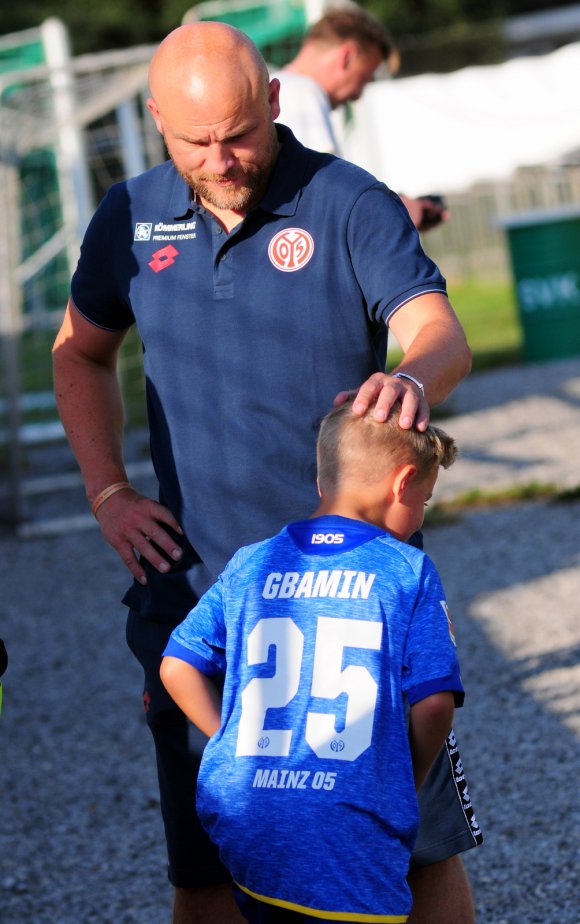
<point x="433" y="35"/>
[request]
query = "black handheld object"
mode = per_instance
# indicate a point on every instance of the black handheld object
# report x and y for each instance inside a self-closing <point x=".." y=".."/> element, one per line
<point x="3" y="657"/>
<point x="433" y="212"/>
<point x="436" y="199"/>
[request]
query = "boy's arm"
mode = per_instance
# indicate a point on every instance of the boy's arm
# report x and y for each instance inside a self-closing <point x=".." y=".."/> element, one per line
<point x="194" y="693"/>
<point x="430" y="723"/>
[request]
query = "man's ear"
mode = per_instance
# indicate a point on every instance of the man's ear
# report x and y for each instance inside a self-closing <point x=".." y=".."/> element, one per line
<point x="345" y="54"/>
<point x="403" y="477"/>
<point x="274" y="97"/>
<point x="152" y="107"/>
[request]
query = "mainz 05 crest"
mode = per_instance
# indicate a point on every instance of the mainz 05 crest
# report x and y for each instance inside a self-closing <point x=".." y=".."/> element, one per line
<point x="291" y="249"/>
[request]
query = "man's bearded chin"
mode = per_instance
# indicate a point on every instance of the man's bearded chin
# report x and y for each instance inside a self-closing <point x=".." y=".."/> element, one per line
<point x="237" y="199"/>
<point x="255" y="179"/>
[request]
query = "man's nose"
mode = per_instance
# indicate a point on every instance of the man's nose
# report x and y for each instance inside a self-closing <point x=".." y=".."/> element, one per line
<point x="219" y="158"/>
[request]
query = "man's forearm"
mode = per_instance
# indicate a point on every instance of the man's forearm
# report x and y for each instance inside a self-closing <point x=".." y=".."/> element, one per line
<point x="439" y="359"/>
<point x="89" y="399"/>
<point x="90" y="405"/>
<point x="435" y="349"/>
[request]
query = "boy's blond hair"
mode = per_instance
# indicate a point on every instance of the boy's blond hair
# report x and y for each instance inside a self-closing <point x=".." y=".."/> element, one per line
<point x="364" y="450"/>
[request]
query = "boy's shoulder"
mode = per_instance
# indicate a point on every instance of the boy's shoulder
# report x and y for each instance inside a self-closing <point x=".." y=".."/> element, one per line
<point x="329" y="537"/>
<point x="403" y="557"/>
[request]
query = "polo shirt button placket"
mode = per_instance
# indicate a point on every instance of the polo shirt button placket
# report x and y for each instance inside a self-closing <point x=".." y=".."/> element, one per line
<point x="223" y="274"/>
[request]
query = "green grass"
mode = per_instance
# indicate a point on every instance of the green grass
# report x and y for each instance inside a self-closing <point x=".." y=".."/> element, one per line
<point x="478" y="499"/>
<point x="489" y="315"/>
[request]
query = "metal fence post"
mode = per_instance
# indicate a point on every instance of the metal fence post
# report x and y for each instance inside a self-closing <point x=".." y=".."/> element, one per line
<point x="10" y="330"/>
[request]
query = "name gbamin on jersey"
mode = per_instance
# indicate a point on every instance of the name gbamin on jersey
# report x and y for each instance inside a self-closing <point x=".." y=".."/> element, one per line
<point x="345" y="585"/>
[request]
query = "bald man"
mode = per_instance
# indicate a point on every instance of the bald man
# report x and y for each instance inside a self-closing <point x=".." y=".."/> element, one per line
<point x="228" y="106"/>
<point x="262" y="284"/>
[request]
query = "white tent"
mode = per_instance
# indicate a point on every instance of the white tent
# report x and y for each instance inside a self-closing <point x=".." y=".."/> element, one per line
<point x="443" y="132"/>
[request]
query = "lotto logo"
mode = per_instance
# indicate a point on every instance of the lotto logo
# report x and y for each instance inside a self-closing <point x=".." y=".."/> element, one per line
<point x="327" y="538"/>
<point x="163" y="258"/>
<point x="291" y="249"/>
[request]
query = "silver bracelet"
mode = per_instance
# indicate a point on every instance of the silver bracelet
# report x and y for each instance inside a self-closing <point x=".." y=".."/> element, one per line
<point x="405" y="375"/>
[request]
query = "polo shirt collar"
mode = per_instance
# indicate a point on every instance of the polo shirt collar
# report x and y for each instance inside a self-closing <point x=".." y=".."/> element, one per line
<point x="284" y="190"/>
<point x="181" y="203"/>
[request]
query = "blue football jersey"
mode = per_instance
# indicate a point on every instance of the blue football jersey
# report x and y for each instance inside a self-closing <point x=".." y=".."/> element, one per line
<point x="325" y="633"/>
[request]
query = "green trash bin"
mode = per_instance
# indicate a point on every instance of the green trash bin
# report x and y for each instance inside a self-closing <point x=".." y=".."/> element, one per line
<point x="544" y="249"/>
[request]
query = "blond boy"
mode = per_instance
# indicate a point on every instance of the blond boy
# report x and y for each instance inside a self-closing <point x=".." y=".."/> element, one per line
<point x="340" y="681"/>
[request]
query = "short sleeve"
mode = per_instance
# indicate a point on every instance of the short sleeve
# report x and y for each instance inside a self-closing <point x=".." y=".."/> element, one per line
<point x="389" y="262"/>
<point x="96" y="286"/>
<point x="201" y="638"/>
<point x="430" y="659"/>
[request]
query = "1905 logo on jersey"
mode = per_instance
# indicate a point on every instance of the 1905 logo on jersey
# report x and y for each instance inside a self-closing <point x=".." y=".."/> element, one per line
<point x="291" y="249"/>
<point x="327" y="538"/>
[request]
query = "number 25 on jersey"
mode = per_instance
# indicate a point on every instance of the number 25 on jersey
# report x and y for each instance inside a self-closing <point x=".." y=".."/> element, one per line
<point x="328" y="682"/>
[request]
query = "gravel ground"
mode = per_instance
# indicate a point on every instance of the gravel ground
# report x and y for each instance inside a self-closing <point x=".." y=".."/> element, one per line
<point x="80" y="832"/>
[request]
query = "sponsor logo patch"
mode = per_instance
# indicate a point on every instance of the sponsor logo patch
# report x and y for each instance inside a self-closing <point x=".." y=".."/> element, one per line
<point x="143" y="231"/>
<point x="291" y="249"/>
<point x="449" y="621"/>
<point x="161" y="231"/>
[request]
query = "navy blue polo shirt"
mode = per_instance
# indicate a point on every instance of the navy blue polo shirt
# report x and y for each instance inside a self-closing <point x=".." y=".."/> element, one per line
<point x="248" y="336"/>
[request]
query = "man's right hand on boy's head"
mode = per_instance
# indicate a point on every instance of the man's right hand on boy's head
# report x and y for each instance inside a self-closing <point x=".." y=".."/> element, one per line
<point x="386" y="391"/>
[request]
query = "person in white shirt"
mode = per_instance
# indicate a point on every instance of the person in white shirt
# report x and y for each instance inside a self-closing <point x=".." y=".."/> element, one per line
<point x="339" y="55"/>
